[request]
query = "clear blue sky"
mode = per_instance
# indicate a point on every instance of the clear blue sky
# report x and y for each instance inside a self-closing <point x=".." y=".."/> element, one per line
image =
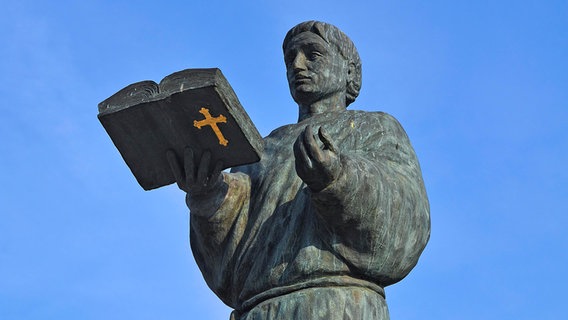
<point x="480" y="86"/>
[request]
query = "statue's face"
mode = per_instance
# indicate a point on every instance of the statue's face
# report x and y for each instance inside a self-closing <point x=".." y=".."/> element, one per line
<point x="314" y="68"/>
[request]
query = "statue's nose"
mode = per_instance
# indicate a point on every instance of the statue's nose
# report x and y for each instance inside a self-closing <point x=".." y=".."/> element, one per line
<point x="299" y="62"/>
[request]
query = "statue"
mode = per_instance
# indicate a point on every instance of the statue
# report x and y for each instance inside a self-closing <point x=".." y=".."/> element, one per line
<point x="335" y="211"/>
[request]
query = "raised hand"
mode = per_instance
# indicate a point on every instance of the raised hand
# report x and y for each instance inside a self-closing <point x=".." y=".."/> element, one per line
<point x="316" y="166"/>
<point x="195" y="179"/>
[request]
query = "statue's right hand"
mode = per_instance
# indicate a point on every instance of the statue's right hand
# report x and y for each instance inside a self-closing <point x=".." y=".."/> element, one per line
<point x="195" y="179"/>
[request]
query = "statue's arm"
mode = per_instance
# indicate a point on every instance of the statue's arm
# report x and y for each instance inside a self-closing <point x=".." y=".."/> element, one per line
<point x="375" y="209"/>
<point x="218" y="204"/>
<point x="217" y="224"/>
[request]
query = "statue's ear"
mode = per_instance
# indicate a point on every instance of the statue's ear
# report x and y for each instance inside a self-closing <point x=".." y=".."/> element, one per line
<point x="350" y="73"/>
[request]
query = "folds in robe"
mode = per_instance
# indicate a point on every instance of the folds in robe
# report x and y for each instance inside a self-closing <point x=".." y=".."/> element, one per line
<point x="263" y="232"/>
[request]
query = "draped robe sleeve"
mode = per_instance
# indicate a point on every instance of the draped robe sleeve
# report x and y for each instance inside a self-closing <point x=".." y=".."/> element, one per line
<point x="217" y="224"/>
<point x="376" y="211"/>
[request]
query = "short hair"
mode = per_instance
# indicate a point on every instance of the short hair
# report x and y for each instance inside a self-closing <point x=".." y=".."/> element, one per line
<point x="332" y="35"/>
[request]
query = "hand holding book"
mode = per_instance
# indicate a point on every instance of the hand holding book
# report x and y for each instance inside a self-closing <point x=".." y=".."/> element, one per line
<point x="194" y="179"/>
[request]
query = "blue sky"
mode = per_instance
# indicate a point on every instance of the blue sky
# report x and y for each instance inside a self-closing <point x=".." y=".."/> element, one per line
<point x="480" y="87"/>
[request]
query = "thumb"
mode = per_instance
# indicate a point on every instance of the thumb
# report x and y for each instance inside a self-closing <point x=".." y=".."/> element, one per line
<point x="327" y="141"/>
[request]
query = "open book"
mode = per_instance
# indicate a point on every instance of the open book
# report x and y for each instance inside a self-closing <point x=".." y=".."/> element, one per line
<point x="193" y="107"/>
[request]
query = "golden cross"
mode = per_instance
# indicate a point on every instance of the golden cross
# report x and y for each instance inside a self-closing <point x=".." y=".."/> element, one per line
<point x="210" y="121"/>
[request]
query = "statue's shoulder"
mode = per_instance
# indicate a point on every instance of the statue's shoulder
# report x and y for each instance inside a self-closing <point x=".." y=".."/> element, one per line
<point x="377" y="118"/>
<point x="370" y="114"/>
<point x="284" y="130"/>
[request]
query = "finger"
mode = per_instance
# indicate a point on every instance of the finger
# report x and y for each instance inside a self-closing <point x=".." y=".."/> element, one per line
<point x="216" y="173"/>
<point x="176" y="169"/>
<point x="218" y="168"/>
<point x="300" y="152"/>
<point x="308" y="131"/>
<point x="203" y="170"/>
<point x="189" y="165"/>
<point x="302" y="165"/>
<point x="326" y="139"/>
<point x="313" y="150"/>
<point x="296" y="147"/>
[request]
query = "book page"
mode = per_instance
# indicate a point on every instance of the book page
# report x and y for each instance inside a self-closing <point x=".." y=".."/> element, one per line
<point x="131" y="95"/>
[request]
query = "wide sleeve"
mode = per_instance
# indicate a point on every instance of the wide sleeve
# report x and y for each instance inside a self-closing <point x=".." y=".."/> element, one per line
<point x="217" y="224"/>
<point x="376" y="213"/>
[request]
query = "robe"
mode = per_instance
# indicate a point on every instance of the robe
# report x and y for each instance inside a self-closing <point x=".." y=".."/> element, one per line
<point x="271" y="248"/>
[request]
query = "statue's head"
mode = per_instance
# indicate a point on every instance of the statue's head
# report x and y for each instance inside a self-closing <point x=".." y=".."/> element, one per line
<point x="321" y="60"/>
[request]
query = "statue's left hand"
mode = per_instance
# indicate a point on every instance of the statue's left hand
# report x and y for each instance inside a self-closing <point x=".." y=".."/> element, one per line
<point x="316" y="166"/>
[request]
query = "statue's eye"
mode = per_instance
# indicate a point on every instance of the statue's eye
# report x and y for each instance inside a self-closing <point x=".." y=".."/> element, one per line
<point x="314" y="55"/>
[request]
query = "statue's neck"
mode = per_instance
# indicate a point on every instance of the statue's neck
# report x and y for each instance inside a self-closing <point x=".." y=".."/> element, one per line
<point x="333" y="103"/>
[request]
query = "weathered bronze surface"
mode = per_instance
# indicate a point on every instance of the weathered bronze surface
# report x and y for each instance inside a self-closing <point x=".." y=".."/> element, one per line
<point x="335" y="211"/>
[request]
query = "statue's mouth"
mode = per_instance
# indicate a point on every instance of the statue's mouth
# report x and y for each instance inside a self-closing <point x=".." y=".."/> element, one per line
<point x="300" y="79"/>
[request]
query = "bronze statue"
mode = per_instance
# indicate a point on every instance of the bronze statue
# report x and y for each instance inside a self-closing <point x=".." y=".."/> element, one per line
<point x="333" y="213"/>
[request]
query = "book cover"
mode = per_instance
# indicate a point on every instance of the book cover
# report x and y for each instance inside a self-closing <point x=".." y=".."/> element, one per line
<point x="193" y="107"/>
